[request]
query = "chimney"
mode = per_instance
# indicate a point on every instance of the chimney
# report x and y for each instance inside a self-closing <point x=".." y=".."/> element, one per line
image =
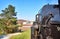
<point x="59" y="6"/>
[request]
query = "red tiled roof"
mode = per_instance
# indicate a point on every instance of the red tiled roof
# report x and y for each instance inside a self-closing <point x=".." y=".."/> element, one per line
<point x="27" y="25"/>
<point x="21" y="21"/>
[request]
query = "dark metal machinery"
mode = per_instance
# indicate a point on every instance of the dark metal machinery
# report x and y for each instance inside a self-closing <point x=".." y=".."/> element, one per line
<point x="44" y="28"/>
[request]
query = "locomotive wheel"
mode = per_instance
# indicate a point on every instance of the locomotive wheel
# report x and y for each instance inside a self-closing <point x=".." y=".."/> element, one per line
<point x="41" y="36"/>
<point x="49" y="37"/>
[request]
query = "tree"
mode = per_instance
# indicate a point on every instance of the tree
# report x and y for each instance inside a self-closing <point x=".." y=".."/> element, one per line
<point x="8" y="18"/>
<point x="8" y="12"/>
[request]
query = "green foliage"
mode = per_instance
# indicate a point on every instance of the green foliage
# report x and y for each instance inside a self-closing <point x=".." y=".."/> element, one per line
<point x="8" y="21"/>
<point x="8" y="12"/>
<point x="24" y="35"/>
<point x="12" y="10"/>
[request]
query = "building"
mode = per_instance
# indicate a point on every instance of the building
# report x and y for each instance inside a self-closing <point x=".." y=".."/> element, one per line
<point x="25" y="24"/>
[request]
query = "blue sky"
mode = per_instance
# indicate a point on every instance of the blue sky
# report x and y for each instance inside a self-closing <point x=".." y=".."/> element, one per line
<point x="26" y="9"/>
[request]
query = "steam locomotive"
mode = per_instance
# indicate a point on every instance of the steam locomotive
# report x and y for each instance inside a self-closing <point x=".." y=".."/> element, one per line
<point x="47" y="23"/>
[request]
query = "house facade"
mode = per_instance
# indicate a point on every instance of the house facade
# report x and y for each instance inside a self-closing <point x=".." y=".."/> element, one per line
<point x="24" y="24"/>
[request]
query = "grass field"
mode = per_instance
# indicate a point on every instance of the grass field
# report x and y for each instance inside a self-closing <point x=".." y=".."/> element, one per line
<point x="24" y="35"/>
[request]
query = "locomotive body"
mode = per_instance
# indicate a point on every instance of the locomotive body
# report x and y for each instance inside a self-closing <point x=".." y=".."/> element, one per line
<point x="50" y="9"/>
<point x="47" y="23"/>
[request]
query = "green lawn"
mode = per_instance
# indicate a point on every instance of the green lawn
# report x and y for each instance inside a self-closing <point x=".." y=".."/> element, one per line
<point x="24" y="35"/>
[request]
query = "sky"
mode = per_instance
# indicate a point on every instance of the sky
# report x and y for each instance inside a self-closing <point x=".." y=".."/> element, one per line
<point x="26" y="9"/>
